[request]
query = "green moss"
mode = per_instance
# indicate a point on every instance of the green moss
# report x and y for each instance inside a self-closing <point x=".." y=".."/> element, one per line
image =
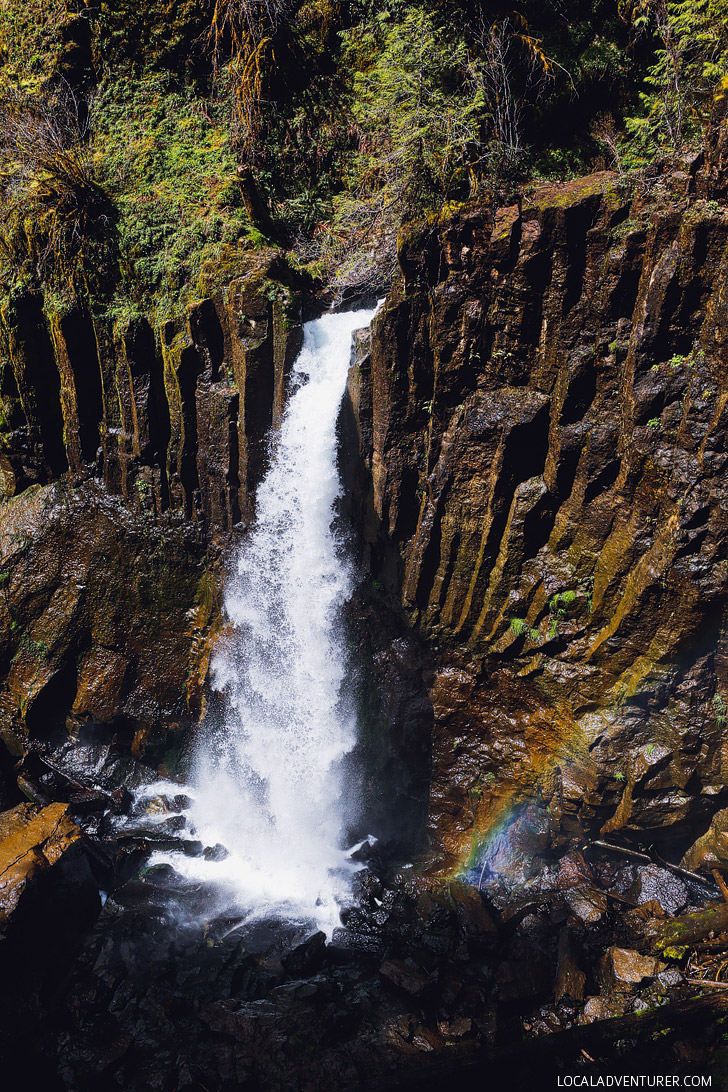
<point x="30" y="41"/>
<point x="674" y="951"/>
<point x="168" y="158"/>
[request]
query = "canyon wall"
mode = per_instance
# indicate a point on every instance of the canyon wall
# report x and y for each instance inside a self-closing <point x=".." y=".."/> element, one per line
<point x="173" y="417"/>
<point x="128" y="452"/>
<point x="534" y="443"/>
<point x="542" y="427"/>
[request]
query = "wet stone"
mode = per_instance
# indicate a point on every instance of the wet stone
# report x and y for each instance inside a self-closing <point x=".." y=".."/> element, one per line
<point x="425" y="1039"/>
<point x="588" y="905"/>
<point x="349" y="944"/>
<point x="574" y="872"/>
<point x="570" y="978"/>
<point x="529" y="973"/>
<point x="306" y="958"/>
<point x="670" y="978"/>
<point x="455" y="1029"/>
<point x="472" y="915"/>
<point x="654" y="884"/>
<point x="624" y="969"/>
<point x="601" y="1008"/>
<point x="215" y="853"/>
<point x="406" y="976"/>
<point x="192" y="848"/>
<point x="366" y="887"/>
<point x="365" y="851"/>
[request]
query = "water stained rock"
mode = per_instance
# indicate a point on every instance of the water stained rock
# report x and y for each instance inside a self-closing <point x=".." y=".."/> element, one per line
<point x="533" y="446"/>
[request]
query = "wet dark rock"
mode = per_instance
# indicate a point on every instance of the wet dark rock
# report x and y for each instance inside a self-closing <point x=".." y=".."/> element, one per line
<point x="405" y="975"/>
<point x="624" y="969"/>
<point x="347" y="944"/>
<point x="655" y="884"/>
<point x="670" y="978"/>
<point x="306" y="958"/>
<point x="455" y="1029"/>
<point x="215" y="853"/>
<point x="586" y="904"/>
<point x="527" y="974"/>
<point x="88" y="802"/>
<point x="154" y="831"/>
<point x="570" y="978"/>
<point x="365" y="851"/>
<point x="192" y="848"/>
<point x="574" y="872"/>
<point x="472" y="915"/>
<point x="602" y="1008"/>
<point x="367" y="887"/>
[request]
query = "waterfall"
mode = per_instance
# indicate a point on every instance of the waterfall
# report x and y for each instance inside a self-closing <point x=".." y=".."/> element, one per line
<point x="268" y="782"/>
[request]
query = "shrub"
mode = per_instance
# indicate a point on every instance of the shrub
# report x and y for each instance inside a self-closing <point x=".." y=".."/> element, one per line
<point x="58" y="221"/>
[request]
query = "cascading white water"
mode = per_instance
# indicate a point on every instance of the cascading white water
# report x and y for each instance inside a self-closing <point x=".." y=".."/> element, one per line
<point x="268" y="783"/>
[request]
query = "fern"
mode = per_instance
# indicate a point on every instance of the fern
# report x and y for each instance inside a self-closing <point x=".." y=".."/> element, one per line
<point x="519" y="627"/>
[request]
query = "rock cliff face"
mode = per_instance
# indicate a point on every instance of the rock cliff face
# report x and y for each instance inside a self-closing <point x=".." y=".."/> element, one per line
<point x="103" y="619"/>
<point x="543" y="436"/>
<point x="171" y="418"/>
<point x="127" y="454"/>
<point x="535" y="439"/>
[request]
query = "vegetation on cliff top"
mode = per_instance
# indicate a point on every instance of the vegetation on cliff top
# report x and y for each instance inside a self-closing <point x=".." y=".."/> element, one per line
<point x="203" y="129"/>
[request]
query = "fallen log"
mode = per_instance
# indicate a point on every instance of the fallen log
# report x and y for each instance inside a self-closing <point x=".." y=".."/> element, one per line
<point x="688" y="929"/>
<point x="589" y="1049"/>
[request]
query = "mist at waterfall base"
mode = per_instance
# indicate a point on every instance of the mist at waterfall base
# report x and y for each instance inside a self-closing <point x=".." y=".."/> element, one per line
<point x="268" y="780"/>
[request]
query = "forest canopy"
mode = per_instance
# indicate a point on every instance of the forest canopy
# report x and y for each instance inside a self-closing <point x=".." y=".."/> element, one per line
<point x="145" y="149"/>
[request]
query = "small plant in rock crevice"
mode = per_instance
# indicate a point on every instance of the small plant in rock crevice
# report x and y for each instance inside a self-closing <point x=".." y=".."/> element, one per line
<point x="721" y="709"/>
<point x="558" y="605"/>
<point x="519" y="627"/>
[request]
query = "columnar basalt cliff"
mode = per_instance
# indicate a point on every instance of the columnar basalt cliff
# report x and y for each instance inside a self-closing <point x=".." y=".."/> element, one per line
<point x="533" y="446"/>
<point x="127" y="455"/>
<point x="171" y="418"/>
<point x="542" y="430"/>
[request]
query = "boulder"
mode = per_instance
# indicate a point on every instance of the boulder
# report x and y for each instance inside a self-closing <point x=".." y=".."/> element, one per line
<point x="623" y="969"/>
<point x="307" y="957"/>
<point x="32" y="840"/>
<point x="586" y="904"/>
<point x="655" y="884"/>
<point x="601" y="1008"/>
<point x="711" y="849"/>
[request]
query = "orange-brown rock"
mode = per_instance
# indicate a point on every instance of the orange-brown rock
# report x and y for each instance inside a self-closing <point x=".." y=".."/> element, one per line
<point x="32" y="839"/>
<point x="104" y="617"/>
